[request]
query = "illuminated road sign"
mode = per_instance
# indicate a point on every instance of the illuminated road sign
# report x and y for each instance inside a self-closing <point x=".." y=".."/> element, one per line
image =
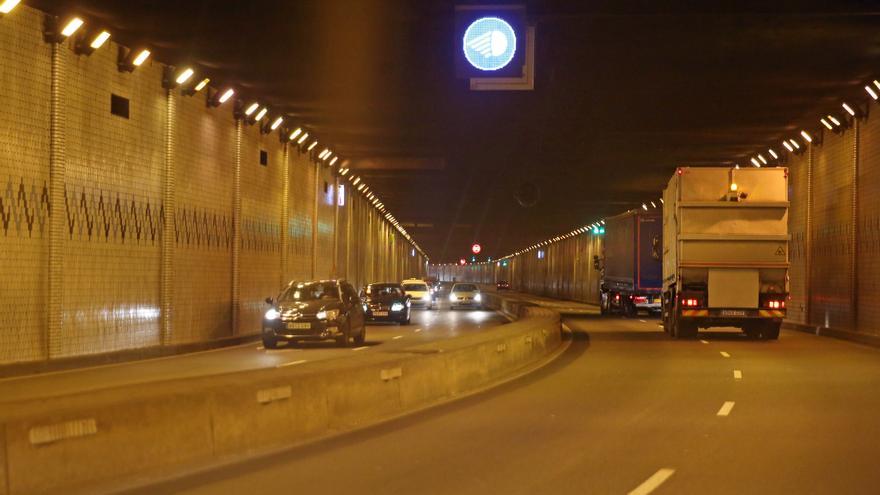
<point x="476" y="248"/>
<point x="489" y="43"/>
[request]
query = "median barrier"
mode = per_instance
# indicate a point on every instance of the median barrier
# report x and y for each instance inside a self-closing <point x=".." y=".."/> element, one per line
<point x="134" y="435"/>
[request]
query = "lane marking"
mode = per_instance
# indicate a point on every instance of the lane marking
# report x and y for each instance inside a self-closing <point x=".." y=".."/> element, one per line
<point x="292" y="363"/>
<point x="725" y="409"/>
<point x="704" y="341"/>
<point x="737" y="374"/>
<point x="651" y="484"/>
<point x="417" y="330"/>
<point x="260" y="348"/>
<point x="361" y="348"/>
<point x="397" y="337"/>
<point x="724" y="354"/>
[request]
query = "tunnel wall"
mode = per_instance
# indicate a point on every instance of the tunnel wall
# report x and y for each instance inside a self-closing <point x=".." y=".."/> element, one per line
<point x="565" y="270"/>
<point x="158" y="229"/>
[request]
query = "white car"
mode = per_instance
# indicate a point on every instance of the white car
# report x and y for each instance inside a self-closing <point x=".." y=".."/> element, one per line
<point x="419" y="293"/>
<point x="465" y="296"/>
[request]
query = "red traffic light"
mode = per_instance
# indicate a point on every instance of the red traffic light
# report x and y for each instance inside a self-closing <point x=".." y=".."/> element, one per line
<point x="476" y="248"/>
<point x="462" y="262"/>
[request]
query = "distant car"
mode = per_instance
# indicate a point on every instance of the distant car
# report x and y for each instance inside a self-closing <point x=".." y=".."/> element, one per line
<point x="321" y="310"/>
<point x="419" y="293"/>
<point x="502" y="285"/>
<point x="387" y="302"/>
<point x="465" y="296"/>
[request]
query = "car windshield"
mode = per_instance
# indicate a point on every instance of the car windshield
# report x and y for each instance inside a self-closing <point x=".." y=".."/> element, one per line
<point x="464" y="288"/>
<point x="383" y="290"/>
<point x="311" y="291"/>
<point x="416" y="287"/>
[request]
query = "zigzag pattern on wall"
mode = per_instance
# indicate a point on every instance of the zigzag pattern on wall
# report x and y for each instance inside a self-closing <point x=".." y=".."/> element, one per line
<point x="24" y="207"/>
<point x="195" y="228"/>
<point x="260" y="235"/>
<point x="95" y="214"/>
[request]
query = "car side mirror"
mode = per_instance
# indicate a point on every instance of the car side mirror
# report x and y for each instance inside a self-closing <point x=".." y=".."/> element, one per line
<point x="270" y="301"/>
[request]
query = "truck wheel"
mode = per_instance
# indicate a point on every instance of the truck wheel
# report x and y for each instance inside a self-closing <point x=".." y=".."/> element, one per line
<point x="684" y="329"/>
<point x="630" y="310"/>
<point x="752" y="331"/>
<point x="770" y="330"/>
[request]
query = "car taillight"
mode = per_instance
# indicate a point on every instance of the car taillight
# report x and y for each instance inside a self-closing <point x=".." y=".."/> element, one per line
<point x="617" y="297"/>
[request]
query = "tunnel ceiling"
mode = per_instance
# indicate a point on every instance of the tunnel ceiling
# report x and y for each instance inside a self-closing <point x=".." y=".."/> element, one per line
<point x="624" y="92"/>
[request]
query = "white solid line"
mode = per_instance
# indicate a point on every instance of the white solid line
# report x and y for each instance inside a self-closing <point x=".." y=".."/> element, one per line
<point x="704" y="341"/>
<point x="643" y="321"/>
<point x="361" y="348"/>
<point x="737" y="375"/>
<point x="725" y="409"/>
<point x="292" y="363"/>
<point x="397" y="337"/>
<point x="651" y="484"/>
<point x="724" y="354"/>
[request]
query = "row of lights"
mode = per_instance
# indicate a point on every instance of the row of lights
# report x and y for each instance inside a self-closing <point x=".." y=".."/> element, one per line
<point x="252" y="114"/>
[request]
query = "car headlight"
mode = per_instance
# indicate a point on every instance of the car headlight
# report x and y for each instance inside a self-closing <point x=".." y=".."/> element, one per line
<point x="427" y="296"/>
<point x="478" y="298"/>
<point x="330" y="314"/>
<point x="451" y="297"/>
<point x="272" y="314"/>
<point x="397" y="307"/>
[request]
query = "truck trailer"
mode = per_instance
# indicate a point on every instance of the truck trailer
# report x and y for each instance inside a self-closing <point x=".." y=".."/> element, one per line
<point x="631" y="279"/>
<point x="725" y="251"/>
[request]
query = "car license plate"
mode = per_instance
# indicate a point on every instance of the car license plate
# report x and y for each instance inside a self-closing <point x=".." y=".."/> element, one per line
<point x="299" y="326"/>
<point x="732" y="312"/>
<point x="380" y="313"/>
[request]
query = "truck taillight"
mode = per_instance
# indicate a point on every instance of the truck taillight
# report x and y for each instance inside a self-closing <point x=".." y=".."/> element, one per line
<point x="773" y="301"/>
<point x="640" y="299"/>
<point x="690" y="303"/>
<point x="776" y="304"/>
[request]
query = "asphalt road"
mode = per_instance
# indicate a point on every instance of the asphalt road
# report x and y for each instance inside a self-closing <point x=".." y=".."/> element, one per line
<point x="623" y="410"/>
<point x="425" y="326"/>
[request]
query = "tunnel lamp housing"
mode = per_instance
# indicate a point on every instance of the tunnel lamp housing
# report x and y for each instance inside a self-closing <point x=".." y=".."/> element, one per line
<point x="312" y="146"/>
<point x="806" y="137"/>
<point x="302" y="138"/>
<point x="763" y="160"/>
<point x="7" y="6"/>
<point x="871" y="92"/>
<point x="795" y="144"/>
<point x="202" y="84"/>
<point x="251" y="109"/>
<point x="755" y="162"/>
<point x="277" y="122"/>
<point x="99" y="40"/>
<point x="71" y="27"/>
<point x="787" y="146"/>
<point x="224" y="97"/>
<point x="773" y="154"/>
<point x="184" y="76"/>
<point x="848" y="109"/>
<point x="262" y="113"/>
<point x="296" y="132"/>
<point x="333" y="160"/>
<point x="834" y="120"/>
<point x="826" y="124"/>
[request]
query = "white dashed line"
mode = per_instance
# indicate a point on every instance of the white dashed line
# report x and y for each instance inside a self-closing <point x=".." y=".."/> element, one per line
<point x="397" y="337"/>
<point x="704" y="341"/>
<point x="361" y="348"/>
<point x="417" y="330"/>
<point x="260" y="348"/>
<point x="724" y="354"/>
<point x="643" y="321"/>
<point x="725" y="409"/>
<point x="737" y="375"/>
<point x="292" y="363"/>
<point x="651" y="484"/>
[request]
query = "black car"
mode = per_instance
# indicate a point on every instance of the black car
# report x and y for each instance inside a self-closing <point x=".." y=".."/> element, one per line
<point x="387" y="302"/>
<point x="322" y="310"/>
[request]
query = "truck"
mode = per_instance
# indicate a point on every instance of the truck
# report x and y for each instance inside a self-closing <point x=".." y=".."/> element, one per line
<point x="725" y="250"/>
<point x="631" y="265"/>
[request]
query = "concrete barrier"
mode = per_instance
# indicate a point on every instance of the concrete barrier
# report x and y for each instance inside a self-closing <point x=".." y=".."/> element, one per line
<point x="132" y="435"/>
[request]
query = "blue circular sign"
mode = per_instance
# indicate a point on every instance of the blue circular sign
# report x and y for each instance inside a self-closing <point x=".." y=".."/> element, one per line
<point x="489" y="43"/>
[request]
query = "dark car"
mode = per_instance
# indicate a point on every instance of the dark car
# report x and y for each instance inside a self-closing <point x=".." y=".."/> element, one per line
<point x="387" y="302"/>
<point x="322" y="310"/>
<point x="502" y="285"/>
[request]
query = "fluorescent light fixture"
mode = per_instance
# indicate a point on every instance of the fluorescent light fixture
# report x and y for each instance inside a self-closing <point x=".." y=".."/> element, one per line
<point x="755" y="162"/>
<point x="72" y="27"/>
<point x="833" y="120"/>
<point x="826" y="124"/>
<point x="644" y="207"/>
<point x="323" y="153"/>
<point x="227" y="95"/>
<point x="251" y="109"/>
<point x="312" y="146"/>
<point x="795" y="144"/>
<point x="262" y="113"/>
<point x="653" y="205"/>
<point x="295" y="133"/>
<point x="184" y="76"/>
<point x="201" y="85"/>
<point x="276" y="123"/>
<point x="141" y="58"/>
<point x="787" y="146"/>
<point x="343" y="171"/>
<point x="849" y="110"/>
<point x="773" y="154"/>
<point x="871" y="92"/>
<point x="7" y="6"/>
<point x="806" y="137"/>
<point x="102" y="38"/>
<point x="763" y="160"/>
<point x="328" y="155"/>
<point x="333" y="160"/>
<point x="302" y="138"/>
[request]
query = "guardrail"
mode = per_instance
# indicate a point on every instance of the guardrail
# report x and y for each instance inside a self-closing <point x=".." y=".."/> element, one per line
<point x="124" y="436"/>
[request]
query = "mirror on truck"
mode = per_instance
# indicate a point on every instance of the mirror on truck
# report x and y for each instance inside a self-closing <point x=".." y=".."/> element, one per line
<point x="596" y="261"/>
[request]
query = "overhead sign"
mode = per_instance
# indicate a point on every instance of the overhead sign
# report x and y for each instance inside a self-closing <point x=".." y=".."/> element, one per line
<point x="476" y="248"/>
<point x="489" y="43"/>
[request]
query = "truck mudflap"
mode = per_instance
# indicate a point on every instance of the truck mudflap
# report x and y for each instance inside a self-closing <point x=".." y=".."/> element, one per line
<point x="732" y="313"/>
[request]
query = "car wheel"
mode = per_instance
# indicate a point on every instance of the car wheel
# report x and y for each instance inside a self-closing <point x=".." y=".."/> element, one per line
<point x="270" y="342"/>
<point x="361" y="337"/>
<point x="345" y="338"/>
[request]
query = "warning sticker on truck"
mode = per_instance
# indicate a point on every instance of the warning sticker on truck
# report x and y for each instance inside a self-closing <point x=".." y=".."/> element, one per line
<point x="780" y="251"/>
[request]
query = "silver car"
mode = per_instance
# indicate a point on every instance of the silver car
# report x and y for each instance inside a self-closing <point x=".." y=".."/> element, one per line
<point x="465" y="295"/>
